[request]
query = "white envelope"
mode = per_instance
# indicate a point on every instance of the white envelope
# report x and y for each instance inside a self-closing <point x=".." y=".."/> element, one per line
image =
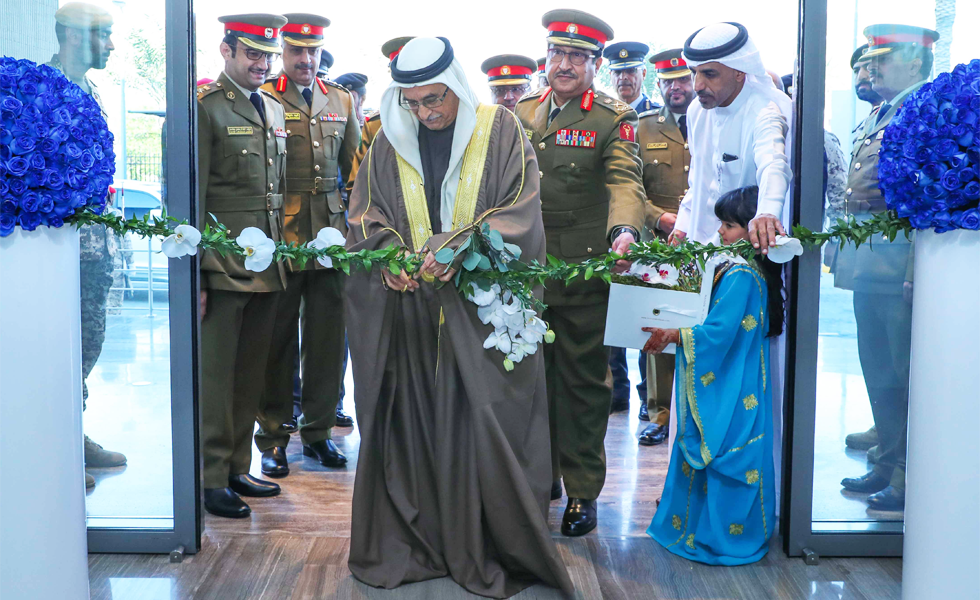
<point x="632" y="307"/>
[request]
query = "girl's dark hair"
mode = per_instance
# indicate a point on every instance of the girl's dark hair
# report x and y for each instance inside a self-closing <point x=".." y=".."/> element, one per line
<point x="738" y="206"/>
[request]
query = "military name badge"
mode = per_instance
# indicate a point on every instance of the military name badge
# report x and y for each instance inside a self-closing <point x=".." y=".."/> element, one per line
<point x="657" y="146"/>
<point x="293" y="116"/>
<point x="626" y="132"/>
<point x="239" y="131"/>
<point x="333" y="117"/>
<point x="575" y="137"/>
<point x="280" y="132"/>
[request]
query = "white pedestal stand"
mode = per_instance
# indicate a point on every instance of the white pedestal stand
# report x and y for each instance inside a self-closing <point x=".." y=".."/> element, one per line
<point x="942" y="499"/>
<point x="43" y="547"/>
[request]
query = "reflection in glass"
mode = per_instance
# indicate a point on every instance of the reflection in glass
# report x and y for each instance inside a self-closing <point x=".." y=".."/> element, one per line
<point x="116" y="54"/>
<point x="865" y="293"/>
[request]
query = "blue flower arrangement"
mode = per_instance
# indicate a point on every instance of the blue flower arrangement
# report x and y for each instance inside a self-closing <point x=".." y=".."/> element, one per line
<point x="929" y="162"/>
<point x="56" y="153"/>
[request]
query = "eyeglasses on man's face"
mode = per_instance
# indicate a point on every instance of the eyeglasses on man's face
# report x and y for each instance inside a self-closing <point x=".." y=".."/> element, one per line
<point x="575" y="57"/>
<point x="257" y="55"/>
<point x="502" y="90"/>
<point x="431" y="101"/>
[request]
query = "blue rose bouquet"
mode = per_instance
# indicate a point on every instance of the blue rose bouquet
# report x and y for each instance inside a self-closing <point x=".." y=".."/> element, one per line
<point x="56" y="153"/>
<point x="929" y="162"/>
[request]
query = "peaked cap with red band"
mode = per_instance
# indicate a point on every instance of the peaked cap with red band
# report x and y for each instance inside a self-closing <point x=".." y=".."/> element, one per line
<point x="392" y="47"/>
<point x="670" y="64"/>
<point x="541" y="63"/>
<point x="257" y="31"/>
<point x="567" y="27"/>
<point x="304" y="29"/>
<point x="508" y="69"/>
<point x="885" y="38"/>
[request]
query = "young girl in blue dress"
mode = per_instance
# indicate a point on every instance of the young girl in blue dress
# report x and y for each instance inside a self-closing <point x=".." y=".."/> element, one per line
<point x="718" y="501"/>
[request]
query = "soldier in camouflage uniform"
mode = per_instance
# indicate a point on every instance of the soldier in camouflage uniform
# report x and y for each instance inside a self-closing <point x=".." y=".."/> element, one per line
<point x="84" y="42"/>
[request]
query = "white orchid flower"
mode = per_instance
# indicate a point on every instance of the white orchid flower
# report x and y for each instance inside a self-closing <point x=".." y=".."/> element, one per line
<point x="645" y="273"/>
<point x="486" y="313"/>
<point x="259" y="248"/>
<point x="182" y="242"/>
<point x="327" y="238"/>
<point x="666" y="275"/>
<point x="499" y="339"/>
<point x="784" y="249"/>
<point x="534" y="331"/>
<point x="482" y="297"/>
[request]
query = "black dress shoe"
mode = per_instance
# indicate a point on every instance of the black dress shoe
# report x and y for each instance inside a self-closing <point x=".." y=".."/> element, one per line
<point x="887" y="499"/>
<point x="290" y="426"/>
<point x="644" y="415"/>
<point x="326" y="452"/>
<point x="868" y="483"/>
<point x="223" y="502"/>
<point x="343" y="419"/>
<point x="653" y="435"/>
<point x="246" y="485"/>
<point x="580" y="517"/>
<point x="274" y="462"/>
<point x="619" y="405"/>
<point x="556" y="490"/>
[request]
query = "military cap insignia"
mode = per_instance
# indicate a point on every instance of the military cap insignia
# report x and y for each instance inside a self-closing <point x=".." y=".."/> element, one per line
<point x="623" y="53"/>
<point x="572" y="28"/>
<point x="230" y="95"/>
<point x="305" y="29"/>
<point x="269" y="33"/>
<point x="505" y="70"/>
<point x="871" y="40"/>
<point x="626" y="132"/>
<point x="674" y="62"/>
<point x="575" y="137"/>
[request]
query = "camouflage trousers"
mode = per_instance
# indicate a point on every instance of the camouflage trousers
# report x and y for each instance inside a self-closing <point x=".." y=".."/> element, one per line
<point x="95" y="279"/>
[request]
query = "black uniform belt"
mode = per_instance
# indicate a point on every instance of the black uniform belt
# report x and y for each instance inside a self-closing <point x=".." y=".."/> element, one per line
<point x="314" y="185"/>
<point x="569" y="218"/>
<point x="244" y="203"/>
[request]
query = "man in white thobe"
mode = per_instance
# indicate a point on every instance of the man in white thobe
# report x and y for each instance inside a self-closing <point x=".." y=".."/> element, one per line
<point x="738" y="134"/>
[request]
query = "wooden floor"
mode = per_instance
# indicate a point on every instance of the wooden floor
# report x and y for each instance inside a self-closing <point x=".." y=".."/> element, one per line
<point x="295" y="546"/>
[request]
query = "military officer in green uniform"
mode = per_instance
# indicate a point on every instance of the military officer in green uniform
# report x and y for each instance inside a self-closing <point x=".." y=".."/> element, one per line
<point x="880" y="274"/>
<point x="84" y="42"/>
<point x="241" y="177"/>
<point x="591" y="199"/>
<point x="662" y="135"/>
<point x="321" y="133"/>
<point x="372" y="122"/>
<point x="509" y="76"/>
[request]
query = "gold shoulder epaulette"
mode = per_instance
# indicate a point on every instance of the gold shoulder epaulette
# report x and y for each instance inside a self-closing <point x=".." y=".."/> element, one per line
<point x="611" y="103"/>
<point x="535" y="94"/>
<point x="207" y="88"/>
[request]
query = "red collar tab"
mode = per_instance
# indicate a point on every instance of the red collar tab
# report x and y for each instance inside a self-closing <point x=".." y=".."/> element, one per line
<point x="270" y="33"/>
<point x="505" y="70"/>
<point x="587" y="98"/>
<point x="544" y="95"/>
<point x="580" y="30"/>
<point x="281" y="83"/>
<point x="302" y="29"/>
<point x="323" y="86"/>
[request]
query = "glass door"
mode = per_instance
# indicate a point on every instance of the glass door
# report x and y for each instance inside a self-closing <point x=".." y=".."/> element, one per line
<point x="139" y="325"/>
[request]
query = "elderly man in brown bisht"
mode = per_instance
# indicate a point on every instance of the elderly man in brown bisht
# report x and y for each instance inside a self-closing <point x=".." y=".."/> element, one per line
<point x="453" y="472"/>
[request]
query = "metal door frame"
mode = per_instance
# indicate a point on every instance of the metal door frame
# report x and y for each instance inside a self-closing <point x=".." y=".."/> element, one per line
<point x="181" y="168"/>
<point x="844" y="538"/>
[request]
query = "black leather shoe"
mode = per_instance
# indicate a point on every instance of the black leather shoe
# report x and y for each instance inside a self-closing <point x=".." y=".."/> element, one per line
<point x="274" y="462"/>
<point x="246" y="485"/>
<point x="644" y="415"/>
<point x="556" y="490"/>
<point x="887" y="499"/>
<point x="290" y="426"/>
<point x="868" y="483"/>
<point x="223" y="502"/>
<point x="619" y="405"/>
<point x="580" y="517"/>
<point x="326" y="452"/>
<point x="343" y="419"/>
<point x="653" y="435"/>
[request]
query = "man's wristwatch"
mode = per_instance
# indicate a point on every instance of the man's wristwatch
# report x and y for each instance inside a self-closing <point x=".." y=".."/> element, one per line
<point x="617" y="231"/>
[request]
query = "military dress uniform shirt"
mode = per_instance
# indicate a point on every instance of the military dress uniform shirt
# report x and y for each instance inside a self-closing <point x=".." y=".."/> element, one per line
<point x="372" y="125"/>
<point x="666" y="162"/>
<point x="882" y="267"/>
<point x="319" y="138"/>
<point x="241" y="169"/>
<point x="643" y="104"/>
<point x="590" y="180"/>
